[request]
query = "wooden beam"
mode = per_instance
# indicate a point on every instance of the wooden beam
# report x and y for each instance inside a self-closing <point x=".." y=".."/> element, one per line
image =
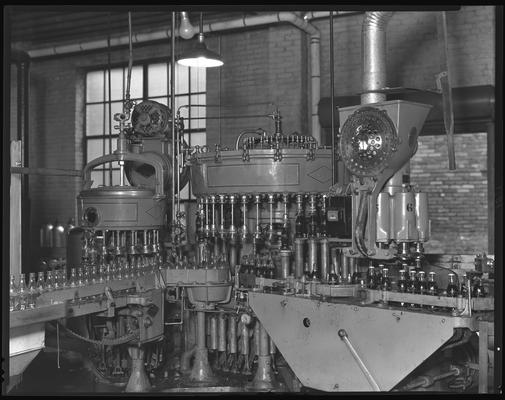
<point x="46" y="171"/>
<point x="15" y="210"/>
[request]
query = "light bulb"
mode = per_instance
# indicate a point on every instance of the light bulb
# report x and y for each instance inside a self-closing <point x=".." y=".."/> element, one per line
<point x="186" y="30"/>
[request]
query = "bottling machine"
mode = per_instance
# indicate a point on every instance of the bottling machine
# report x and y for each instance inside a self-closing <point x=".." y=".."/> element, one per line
<point x="291" y="281"/>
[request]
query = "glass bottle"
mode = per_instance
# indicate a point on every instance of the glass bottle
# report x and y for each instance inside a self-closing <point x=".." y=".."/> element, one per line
<point x="463" y="288"/>
<point x="49" y="286"/>
<point x="402" y="282"/>
<point x="41" y="283"/>
<point x="370" y="277"/>
<point x="452" y="288"/>
<point x="80" y="277"/>
<point x="421" y="283"/>
<point x="108" y="273"/>
<point x="478" y="289"/>
<point x="94" y="275"/>
<point x="333" y="277"/>
<point x="32" y="290"/>
<point x="72" y="281"/>
<point x="299" y="224"/>
<point x="386" y="281"/>
<point x="271" y="269"/>
<point x="13" y="295"/>
<point x="22" y="293"/>
<point x="56" y="280"/>
<point x="101" y="273"/>
<point x="412" y="281"/>
<point x="63" y="278"/>
<point x="306" y="271"/>
<point x="315" y="273"/>
<point x="432" y="284"/>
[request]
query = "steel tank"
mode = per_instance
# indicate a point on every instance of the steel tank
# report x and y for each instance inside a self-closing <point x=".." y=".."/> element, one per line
<point x="261" y="170"/>
<point x="120" y="207"/>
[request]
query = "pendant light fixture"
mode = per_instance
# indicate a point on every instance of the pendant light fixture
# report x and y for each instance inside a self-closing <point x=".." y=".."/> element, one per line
<point x="200" y="56"/>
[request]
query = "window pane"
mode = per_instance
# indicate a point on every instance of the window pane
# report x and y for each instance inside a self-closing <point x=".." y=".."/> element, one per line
<point x="97" y="178"/>
<point x="136" y="82"/>
<point x="116" y="107"/>
<point x="197" y="138"/>
<point x="116" y="89"/>
<point x="94" y="119"/>
<point x="94" y="86"/>
<point x="115" y="177"/>
<point x="198" y="79"/>
<point x="157" y="80"/>
<point x="181" y="101"/>
<point x="96" y="148"/>
<point x="197" y="112"/>
<point x="182" y="79"/>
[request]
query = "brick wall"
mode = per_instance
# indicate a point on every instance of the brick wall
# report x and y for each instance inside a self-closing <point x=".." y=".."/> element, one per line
<point x="265" y="68"/>
<point x="457" y="199"/>
<point x="412" y="50"/>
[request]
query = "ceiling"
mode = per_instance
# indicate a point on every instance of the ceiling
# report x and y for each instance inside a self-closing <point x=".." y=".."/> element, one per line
<point x="34" y="28"/>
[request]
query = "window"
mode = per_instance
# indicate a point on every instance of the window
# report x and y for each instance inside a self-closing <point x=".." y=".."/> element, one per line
<point x="149" y="81"/>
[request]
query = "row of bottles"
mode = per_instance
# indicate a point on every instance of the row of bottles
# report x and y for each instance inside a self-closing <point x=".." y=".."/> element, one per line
<point x="23" y="296"/>
<point x="415" y="282"/>
<point x="259" y="265"/>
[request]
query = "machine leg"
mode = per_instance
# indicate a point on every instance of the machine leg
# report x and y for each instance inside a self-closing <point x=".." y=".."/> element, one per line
<point x="138" y="382"/>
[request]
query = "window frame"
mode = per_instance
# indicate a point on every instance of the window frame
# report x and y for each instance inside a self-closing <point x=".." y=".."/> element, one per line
<point x="111" y="135"/>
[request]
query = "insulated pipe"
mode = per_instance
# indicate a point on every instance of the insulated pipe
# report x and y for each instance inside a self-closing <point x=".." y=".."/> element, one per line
<point x="374" y="55"/>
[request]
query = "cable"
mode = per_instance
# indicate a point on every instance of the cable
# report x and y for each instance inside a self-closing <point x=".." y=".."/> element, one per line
<point x="107" y="342"/>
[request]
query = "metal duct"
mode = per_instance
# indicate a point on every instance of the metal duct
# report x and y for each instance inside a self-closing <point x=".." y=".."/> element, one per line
<point x="473" y="108"/>
<point x="374" y="55"/>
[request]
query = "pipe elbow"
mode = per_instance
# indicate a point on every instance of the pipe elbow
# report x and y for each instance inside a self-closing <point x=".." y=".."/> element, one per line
<point x="376" y="20"/>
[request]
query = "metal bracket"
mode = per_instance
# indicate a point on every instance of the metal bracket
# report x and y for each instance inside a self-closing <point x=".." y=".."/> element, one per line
<point x="343" y="335"/>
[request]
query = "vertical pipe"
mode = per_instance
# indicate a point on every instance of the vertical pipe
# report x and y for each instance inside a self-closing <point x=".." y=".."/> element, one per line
<point x="221" y="332"/>
<point x="213" y="333"/>
<point x="232" y="326"/>
<point x="285" y="263"/>
<point x="299" y="257"/>
<point x="312" y="254"/>
<point x="200" y="330"/>
<point x="345" y="267"/>
<point x="374" y="55"/>
<point x="172" y="105"/>
<point x="263" y="341"/>
<point x="324" y="259"/>
<point x="257" y="337"/>
<point x="332" y="95"/>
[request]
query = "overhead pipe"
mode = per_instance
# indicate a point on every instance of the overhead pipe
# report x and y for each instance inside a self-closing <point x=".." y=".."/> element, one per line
<point x="291" y="17"/>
